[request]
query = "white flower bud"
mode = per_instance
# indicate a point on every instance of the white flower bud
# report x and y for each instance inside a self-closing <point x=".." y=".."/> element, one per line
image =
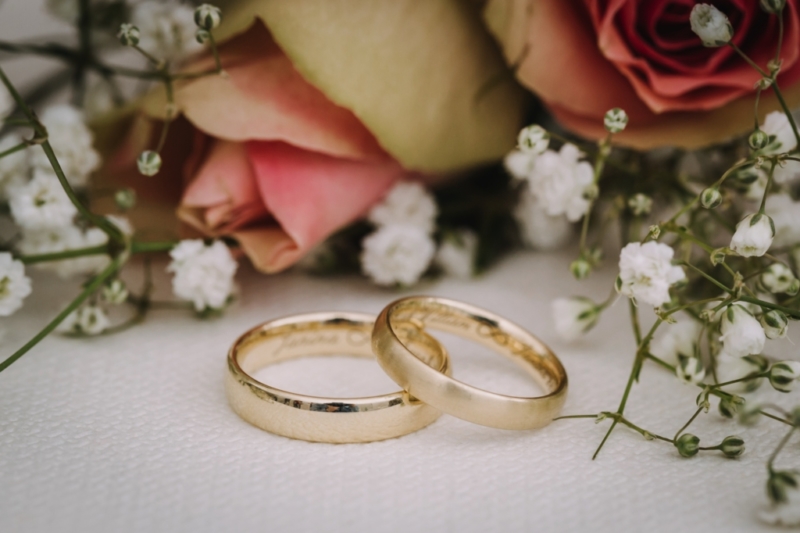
<point x="775" y="324"/>
<point x="753" y="235"/>
<point x="88" y="320"/>
<point x="688" y="445"/>
<point x="207" y="17"/>
<point x="710" y="198"/>
<point x="732" y="446"/>
<point x="782" y="375"/>
<point x="149" y="163"/>
<point x="711" y="25"/>
<point x="779" y="484"/>
<point x="773" y="6"/>
<point x="718" y="256"/>
<point x="778" y="278"/>
<point x="128" y="35"/>
<point x="690" y="369"/>
<point x="533" y="139"/>
<point x="640" y="204"/>
<point x="580" y="268"/>
<point x="741" y="333"/>
<point x="115" y="292"/>
<point x="758" y="139"/>
<point x="125" y="199"/>
<point x="574" y="316"/>
<point x="615" y="120"/>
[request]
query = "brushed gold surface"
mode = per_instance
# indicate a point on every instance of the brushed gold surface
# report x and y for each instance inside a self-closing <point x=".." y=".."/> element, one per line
<point x="401" y="361"/>
<point x="318" y="419"/>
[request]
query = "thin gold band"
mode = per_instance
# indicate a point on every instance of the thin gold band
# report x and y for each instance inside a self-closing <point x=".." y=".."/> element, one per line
<point x="317" y="419"/>
<point x="401" y="362"/>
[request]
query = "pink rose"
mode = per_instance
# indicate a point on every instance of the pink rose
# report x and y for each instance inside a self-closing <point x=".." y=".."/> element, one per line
<point x="300" y="138"/>
<point x="585" y="57"/>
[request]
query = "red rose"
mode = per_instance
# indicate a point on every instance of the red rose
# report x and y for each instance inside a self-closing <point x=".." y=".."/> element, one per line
<point x="585" y="57"/>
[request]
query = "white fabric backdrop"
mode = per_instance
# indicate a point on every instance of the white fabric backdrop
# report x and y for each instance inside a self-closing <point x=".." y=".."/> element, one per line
<point x="133" y="433"/>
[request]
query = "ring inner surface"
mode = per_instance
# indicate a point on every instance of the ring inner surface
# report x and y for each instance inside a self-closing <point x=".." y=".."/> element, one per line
<point x="284" y="340"/>
<point x="505" y="338"/>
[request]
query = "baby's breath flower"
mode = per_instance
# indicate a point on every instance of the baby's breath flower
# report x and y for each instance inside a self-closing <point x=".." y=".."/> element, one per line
<point x="779" y="130"/>
<point x="520" y="164"/>
<point x="732" y="446"/>
<point x="730" y="368"/>
<point x="203" y="273"/>
<point x="72" y="142"/>
<point x="41" y="204"/>
<point x="62" y="239"/>
<point x="775" y="324"/>
<point x="647" y="273"/>
<point x="690" y="369"/>
<point x="711" y="25"/>
<point x="148" y="163"/>
<point x="129" y="35"/>
<point x="580" y="269"/>
<point x="615" y="120"/>
<point x="574" y="316"/>
<point x="741" y="333"/>
<point x="408" y="203"/>
<point x="560" y="181"/>
<point x="86" y="320"/>
<point x="754" y="234"/>
<point x="115" y="292"/>
<point x="640" y="204"/>
<point x="397" y="254"/>
<point x="711" y="197"/>
<point x="15" y="286"/>
<point x="778" y="278"/>
<point x="758" y="140"/>
<point x="782" y="375"/>
<point x="538" y="228"/>
<point x="783" y="489"/>
<point x="207" y="16"/>
<point x="533" y="139"/>
<point x="125" y="199"/>
<point x="456" y="254"/>
<point x="167" y="30"/>
<point x="688" y="445"/>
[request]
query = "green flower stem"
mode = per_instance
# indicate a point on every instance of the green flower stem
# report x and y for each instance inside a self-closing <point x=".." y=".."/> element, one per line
<point x="748" y="377"/>
<point x="708" y="277"/>
<point x="40" y="132"/>
<point x="792" y="313"/>
<point x="777" y="450"/>
<point x="780" y="37"/>
<point x="138" y="247"/>
<point x="67" y="254"/>
<point x="14" y="149"/>
<point x="158" y="63"/>
<point x="767" y="186"/>
<point x="95" y="284"/>
<point x="749" y="61"/>
<point x="687" y="424"/>
<point x="604" y="149"/>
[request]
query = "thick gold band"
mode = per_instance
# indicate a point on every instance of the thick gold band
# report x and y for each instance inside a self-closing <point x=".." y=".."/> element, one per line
<point x="317" y="419"/>
<point x="402" y="363"/>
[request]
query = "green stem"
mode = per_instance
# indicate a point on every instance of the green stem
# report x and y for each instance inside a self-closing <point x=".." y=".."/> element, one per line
<point x="786" y="110"/>
<point x="687" y="424"/>
<point x="775" y="453"/>
<point x="138" y="247"/>
<point x="67" y="254"/>
<point x="14" y="149"/>
<point x="749" y="61"/>
<point x="95" y="284"/>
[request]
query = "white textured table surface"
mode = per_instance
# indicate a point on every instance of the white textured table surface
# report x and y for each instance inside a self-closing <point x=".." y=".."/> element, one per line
<point x="133" y="432"/>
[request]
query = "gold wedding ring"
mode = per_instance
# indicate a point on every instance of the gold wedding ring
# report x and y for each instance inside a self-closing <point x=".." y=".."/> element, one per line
<point x="402" y="362"/>
<point x="318" y="419"/>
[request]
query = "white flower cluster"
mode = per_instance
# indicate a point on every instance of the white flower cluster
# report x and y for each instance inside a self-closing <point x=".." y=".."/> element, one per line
<point x="203" y="274"/>
<point x="646" y="272"/>
<point x="558" y="188"/>
<point x="15" y="286"/>
<point x="401" y="248"/>
<point x="166" y="30"/>
<point x="37" y="201"/>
